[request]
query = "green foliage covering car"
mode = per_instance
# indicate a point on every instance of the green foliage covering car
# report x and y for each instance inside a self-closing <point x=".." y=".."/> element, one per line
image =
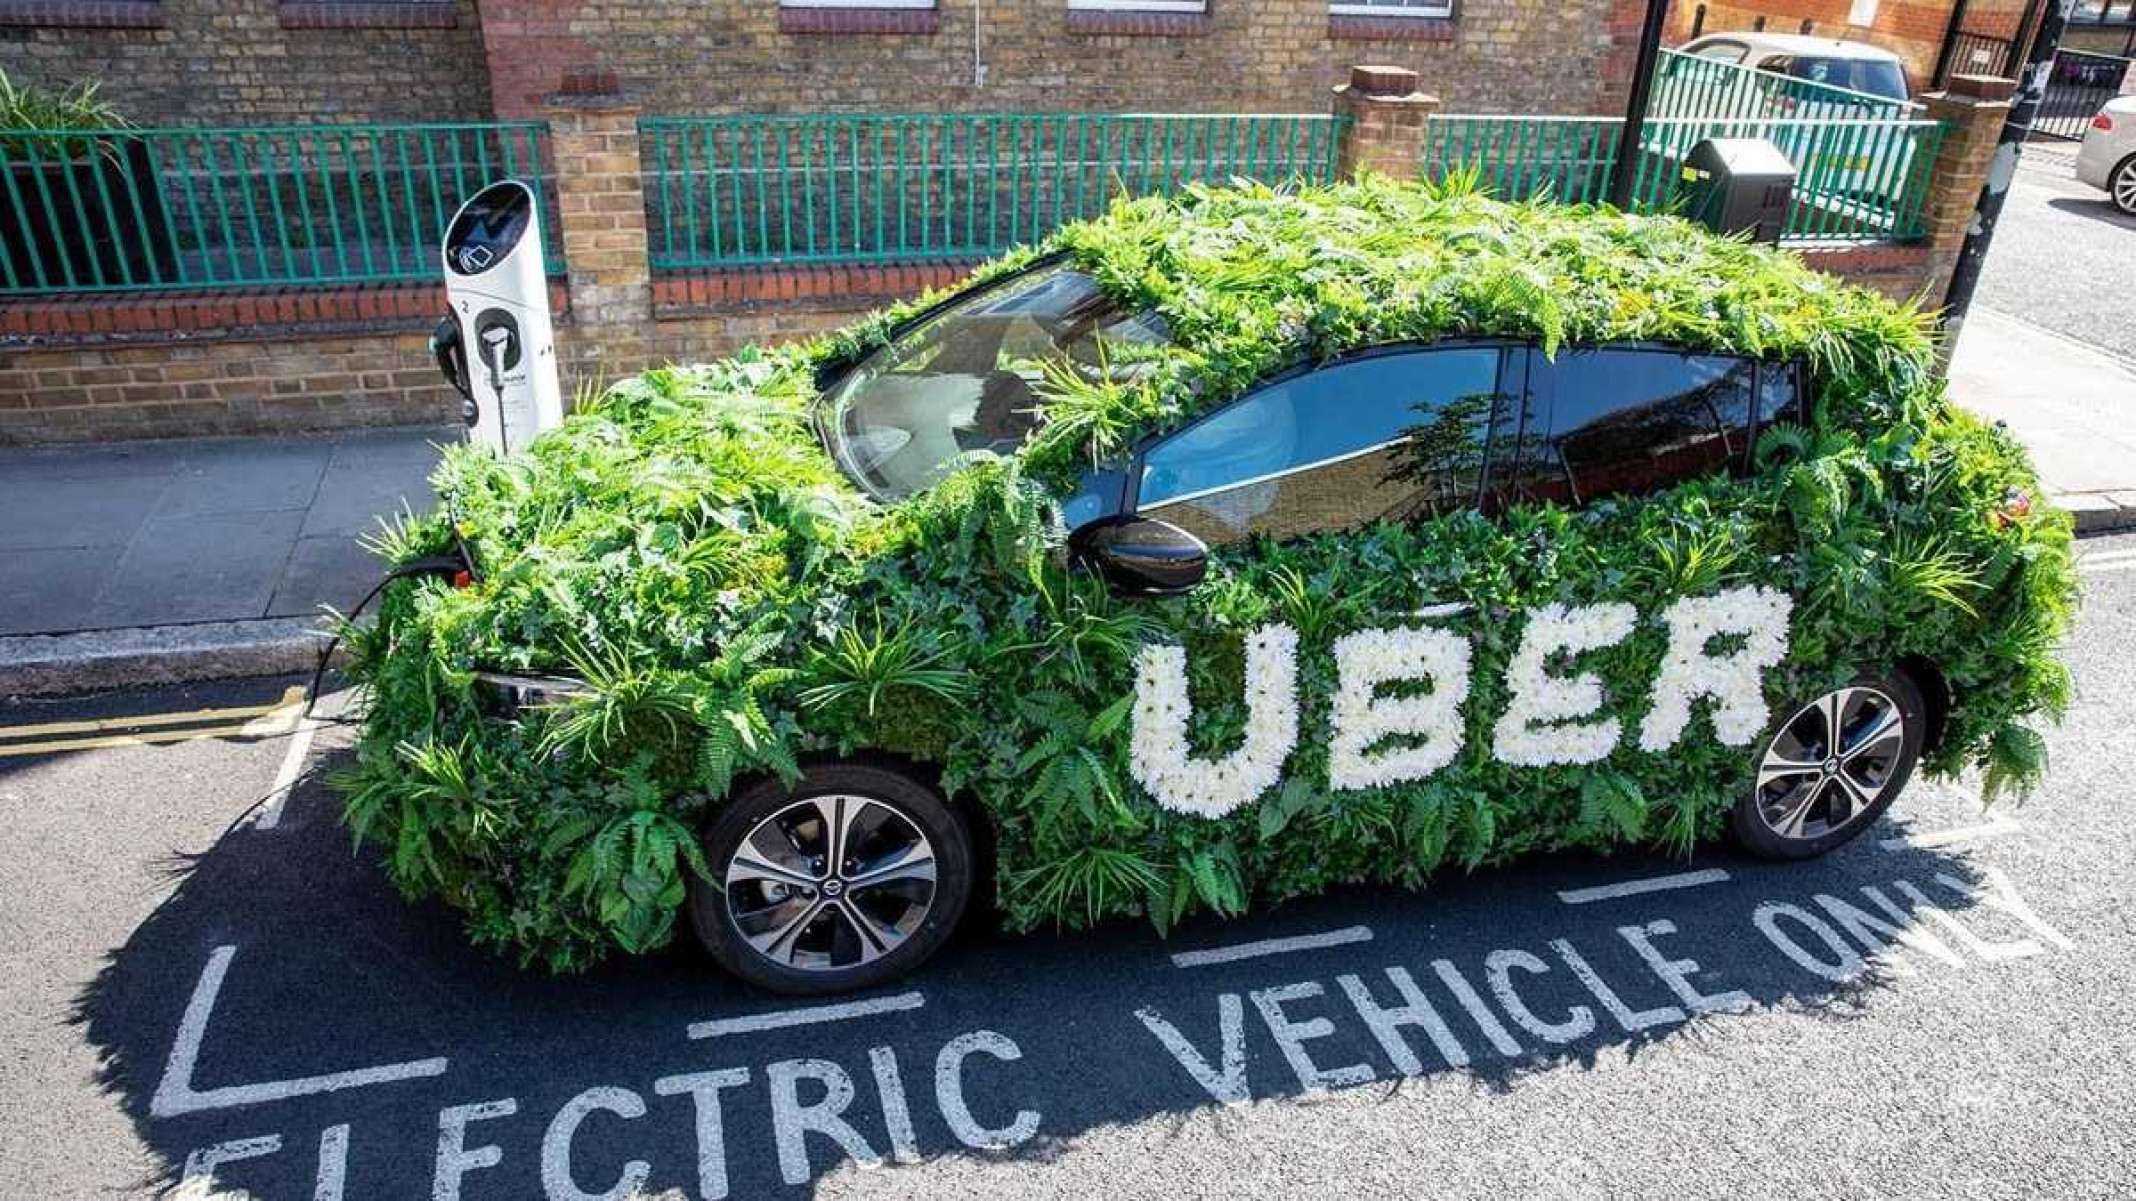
<point x="1224" y="549"/>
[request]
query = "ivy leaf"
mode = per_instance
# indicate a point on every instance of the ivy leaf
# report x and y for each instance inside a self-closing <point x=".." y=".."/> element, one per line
<point x="1278" y="810"/>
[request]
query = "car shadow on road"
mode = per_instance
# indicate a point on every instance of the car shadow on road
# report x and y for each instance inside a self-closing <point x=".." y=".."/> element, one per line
<point x="2100" y="209"/>
<point x="287" y="1022"/>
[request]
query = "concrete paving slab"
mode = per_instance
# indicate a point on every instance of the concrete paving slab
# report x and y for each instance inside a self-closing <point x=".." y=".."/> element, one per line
<point x="2072" y="404"/>
<point x="51" y="588"/>
<point x="205" y="567"/>
<point x="231" y="477"/>
<point x="332" y="569"/>
<point x="363" y="484"/>
<point x="76" y="511"/>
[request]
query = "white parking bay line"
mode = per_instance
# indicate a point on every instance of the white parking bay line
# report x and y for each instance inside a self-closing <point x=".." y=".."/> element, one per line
<point x="807" y="1015"/>
<point x="2111" y="560"/>
<point x="176" y="1095"/>
<point x="1944" y="838"/>
<point x="1272" y="946"/>
<point x="1632" y="888"/>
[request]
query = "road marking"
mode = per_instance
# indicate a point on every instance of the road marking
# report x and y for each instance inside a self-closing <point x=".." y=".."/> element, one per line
<point x="807" y="1015"/>
<point x="290" y="695"/>
<point x="1942" y="838"/>
<point x="1633" y="888"/>
<point x="2110" y="560"/>
<point x="1272" y="946"/>
<point x="285" y="779"/>
<point x="175" y="1094"/>
<point x="262" y="721"/>
<point x="2108" y="568"/>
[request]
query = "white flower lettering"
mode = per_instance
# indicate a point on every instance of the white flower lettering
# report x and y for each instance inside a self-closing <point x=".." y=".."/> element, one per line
<point x="1158" y="754"/>
<point x="1542" y="724"/>
<point x="1365" y="660"/>
<point x="1734" y="681"/>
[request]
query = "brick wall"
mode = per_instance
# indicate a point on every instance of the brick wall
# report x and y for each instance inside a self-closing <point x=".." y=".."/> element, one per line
<point x="707" y="56"/>
<point x="250" y="62"/>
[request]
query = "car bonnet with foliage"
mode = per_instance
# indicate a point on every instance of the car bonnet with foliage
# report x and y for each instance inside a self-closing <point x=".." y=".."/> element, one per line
<point x="1031" y="593"/>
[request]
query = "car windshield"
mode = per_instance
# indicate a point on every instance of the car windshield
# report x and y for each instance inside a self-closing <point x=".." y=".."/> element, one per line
<point x="1874" y="76"/>
<point x="970" y="379"/>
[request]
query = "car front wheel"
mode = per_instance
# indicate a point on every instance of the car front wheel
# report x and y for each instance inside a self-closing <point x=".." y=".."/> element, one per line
<point x="853" y="877"/>
<point x="1832" y="767"/>
<point x="2121" y="185"/>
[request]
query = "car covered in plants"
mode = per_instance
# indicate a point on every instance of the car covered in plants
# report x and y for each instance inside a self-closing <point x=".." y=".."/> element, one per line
<point x="1222" y="549"/>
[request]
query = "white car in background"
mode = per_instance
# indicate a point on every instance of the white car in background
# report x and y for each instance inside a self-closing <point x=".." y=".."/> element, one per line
<point x="1801" y="87"/>
<point x="2107" y="160"/>
<point x="1854" y="66"/>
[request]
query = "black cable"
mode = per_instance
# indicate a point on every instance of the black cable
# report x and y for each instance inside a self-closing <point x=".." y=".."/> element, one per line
<point x="438" y="565"/>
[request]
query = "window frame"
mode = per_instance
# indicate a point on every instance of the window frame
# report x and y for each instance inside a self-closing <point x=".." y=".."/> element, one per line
<point x="1351" y="8"/>
<point x="1742" y="51"/>
<point x="1739" y="466"/>
<point x="1178" y="8"/>
<point x="1516" y="367"/>
<point x="906" y="4"/>
<point x="1508" y="350"/>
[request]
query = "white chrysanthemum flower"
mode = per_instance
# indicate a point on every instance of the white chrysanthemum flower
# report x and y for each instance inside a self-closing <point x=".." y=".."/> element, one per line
<point x="1734" y="682"/>
<point x="1159" y="754"/>
<point x="1543" y="723"/>
<point x="1369" y="658"/>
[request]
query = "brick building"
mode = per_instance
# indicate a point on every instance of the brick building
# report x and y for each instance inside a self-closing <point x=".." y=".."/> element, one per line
<point x="194" y="62"/>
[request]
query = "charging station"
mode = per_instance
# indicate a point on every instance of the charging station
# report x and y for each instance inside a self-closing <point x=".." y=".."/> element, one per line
<point x="496" y="343"/>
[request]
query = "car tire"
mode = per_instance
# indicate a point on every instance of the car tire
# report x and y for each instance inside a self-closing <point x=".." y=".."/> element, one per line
<point x="2121" y="185"/>
<point x="1810" y="792"/>
<point x="791" y="911"/>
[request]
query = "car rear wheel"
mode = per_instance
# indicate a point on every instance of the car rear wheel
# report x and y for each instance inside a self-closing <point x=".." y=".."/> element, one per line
<point x="853" y="877"/>
<point x="1832" y="767"/>
<point x="2121" y="185"/>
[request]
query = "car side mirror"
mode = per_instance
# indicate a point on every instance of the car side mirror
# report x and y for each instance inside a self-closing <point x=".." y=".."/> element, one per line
<point x="1141" y="556"/>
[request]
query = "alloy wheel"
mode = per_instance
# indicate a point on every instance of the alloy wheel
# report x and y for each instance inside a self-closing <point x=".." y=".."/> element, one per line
<point x="830" y="882"/>
<point x="1831" y="763"/>
<point x="2124" y="186"/>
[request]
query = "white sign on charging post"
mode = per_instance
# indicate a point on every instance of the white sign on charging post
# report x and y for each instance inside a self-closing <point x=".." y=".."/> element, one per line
<point x="497" y="344"/>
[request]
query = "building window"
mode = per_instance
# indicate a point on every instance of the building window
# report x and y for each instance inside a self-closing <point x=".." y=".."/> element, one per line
<point x="858" y="16"/>
<point x="1392" y="8"/>
<point x="1187" y="7"/>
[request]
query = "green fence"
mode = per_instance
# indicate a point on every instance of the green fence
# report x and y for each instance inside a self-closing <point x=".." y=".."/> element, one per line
<point x="1686" y="85"/>
<point x="192" y="208"/>
<point x="731" y="191"/>
<point x="1861" y="180"/>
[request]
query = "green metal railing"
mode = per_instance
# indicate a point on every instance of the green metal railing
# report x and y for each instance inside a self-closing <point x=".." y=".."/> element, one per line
<point x="732" y="191"/>
<point x="84" y="211"/>
<point x="1686" y="85"/>
<point x="1860" y="180"/>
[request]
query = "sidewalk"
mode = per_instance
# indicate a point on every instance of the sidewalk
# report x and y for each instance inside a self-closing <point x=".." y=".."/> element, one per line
<point x="219" y="549"/>
<point x="2072" y="405"/>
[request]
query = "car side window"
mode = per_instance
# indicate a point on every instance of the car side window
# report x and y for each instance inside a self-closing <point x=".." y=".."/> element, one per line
<point x="1727" y="52"/>
<point x="1780" y="395"/>
<point x="1393" y="436"/>
<point x="1629" y="420"/>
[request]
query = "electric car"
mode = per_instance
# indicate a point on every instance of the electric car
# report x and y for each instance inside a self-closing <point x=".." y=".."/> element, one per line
<point x="1236" y="546"/>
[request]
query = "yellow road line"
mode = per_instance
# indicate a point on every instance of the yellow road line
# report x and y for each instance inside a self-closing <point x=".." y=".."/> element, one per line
<point x="293" y="695"/>
<point x="159" y="738"/>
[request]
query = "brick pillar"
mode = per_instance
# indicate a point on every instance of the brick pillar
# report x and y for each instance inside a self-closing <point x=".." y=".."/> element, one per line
<point x="1387" y="120"/>
<point x="1974" y="107"/>
<point x="601" y="207"/>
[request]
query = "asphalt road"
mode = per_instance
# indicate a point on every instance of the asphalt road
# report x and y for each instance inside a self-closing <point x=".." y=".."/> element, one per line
<point x="2059" y="248"/>
<point x="256" y="1010"/>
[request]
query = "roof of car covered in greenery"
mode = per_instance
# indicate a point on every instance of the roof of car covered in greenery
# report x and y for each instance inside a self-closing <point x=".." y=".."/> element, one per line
<point x="1251" y="280"/>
